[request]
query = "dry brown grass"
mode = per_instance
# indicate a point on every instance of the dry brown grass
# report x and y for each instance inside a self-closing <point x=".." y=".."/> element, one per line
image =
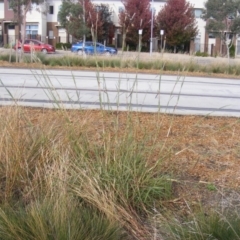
<point x="200" y="155"/>
<point x="207" y="148"/>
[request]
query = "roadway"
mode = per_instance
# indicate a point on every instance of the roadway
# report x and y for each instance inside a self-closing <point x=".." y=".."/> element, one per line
<point x="120" y="91"/>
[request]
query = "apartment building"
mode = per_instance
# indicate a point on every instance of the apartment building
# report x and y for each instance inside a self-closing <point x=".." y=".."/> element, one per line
<point x="44" y="25"/>
<point x="10" y="29"/>
<point x="1" y="20"/>
<point x="57" y="34"/>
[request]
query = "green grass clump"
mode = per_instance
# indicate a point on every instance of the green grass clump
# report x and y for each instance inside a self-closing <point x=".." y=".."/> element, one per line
<point x="218" y="69"/>
<point x="211" y="225"/>
<point x="122" y="172"/>
<point x="171" y="66"/>
<point x="201" y="54"/>
<point x="115" y="63"/>
<point x="8" y="57"/>
<point x="122" y="63"/>
<point x="56" y="218"/>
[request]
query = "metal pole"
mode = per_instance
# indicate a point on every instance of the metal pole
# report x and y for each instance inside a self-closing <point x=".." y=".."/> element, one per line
<point x="139" y="40"/>
<point x="151" y="42"/>
<point x="161" y="43"/>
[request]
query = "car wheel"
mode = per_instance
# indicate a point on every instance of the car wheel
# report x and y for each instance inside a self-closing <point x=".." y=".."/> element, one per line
<point x="80" y="52"/>
<point x="44" y="51"/>
<point x="107" y="54"/>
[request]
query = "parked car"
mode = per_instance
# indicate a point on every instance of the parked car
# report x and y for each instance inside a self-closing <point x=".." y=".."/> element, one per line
<point x="92" y="48"/>
<point x="36" y="45"/>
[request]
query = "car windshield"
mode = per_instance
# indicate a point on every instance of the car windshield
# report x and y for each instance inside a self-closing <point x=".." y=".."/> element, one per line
<point x="36" y="42"/>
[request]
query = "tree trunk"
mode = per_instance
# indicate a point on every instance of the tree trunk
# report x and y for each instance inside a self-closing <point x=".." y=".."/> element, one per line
<point x="84" y="21"/>
<point x="140" y="43"/>
<point x="175" y="49"/>
<point x="123" y="40"/>
<point x="92" y="33"/>
<point x="23" y="30"/>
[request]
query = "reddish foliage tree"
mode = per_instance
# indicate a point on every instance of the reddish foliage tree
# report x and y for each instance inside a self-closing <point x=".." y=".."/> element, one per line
<point x="93" y="18"/>
<point x="178" y="22"/>
<point x="136" y="15"/>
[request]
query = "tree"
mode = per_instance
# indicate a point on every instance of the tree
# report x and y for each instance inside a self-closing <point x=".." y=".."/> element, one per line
<point x="98" y="19"/>
<point x="136" y="15"/>
<point x="93" y="18"/>
<point x="107" y="24"/>
<point x="21" y="8"/>
<point x="223" y="19"/>
<point x="177" y="20"/>
<point x="83" y="18"/>
<point x="71" y="16"/>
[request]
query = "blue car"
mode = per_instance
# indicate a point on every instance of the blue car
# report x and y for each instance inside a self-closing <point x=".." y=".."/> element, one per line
<point x="92" y="48"/>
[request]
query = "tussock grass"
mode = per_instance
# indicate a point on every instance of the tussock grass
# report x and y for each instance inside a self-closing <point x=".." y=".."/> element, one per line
<point x="91" y="178"/>
<point x="56" y="177"/>
<point x="212" y="225"/>
<point x="122" y="62"/>
<point x="56" y="218"/>
<point x="67" y="177"/>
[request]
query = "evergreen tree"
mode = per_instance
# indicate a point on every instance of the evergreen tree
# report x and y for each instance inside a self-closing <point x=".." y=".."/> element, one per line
<point x="71" y="17"/>
<point x="223" y="19"/>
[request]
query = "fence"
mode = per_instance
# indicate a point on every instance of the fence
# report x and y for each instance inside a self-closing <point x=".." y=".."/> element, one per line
<point x="238" y="48"/>
<point x="214" y="50"/>
<point x="1" y="41"/>
<point x="210" y="49"/>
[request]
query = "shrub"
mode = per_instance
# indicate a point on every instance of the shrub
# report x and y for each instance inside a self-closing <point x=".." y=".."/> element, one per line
<point x="144" y="49"/>
<point x="130" y="48"/>
<point x="201" y="54"/>
<point x="232" y="51"/>
<point x="8" y="45"/>
<point x="63" y="45"/>
<point x="111" y="45"/>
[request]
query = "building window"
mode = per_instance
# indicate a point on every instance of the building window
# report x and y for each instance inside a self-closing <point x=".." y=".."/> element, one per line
<point x="59" y="9"/>
<point x="120" y="9"/>
<point x="1" y="9"/>
<point x="51" y="11"/>
<point x="11" y="26"/>
<point x="10" y="4"/>
<point x="198" y="13"/>
<point x="153" y="9"/>
<point x="32" y="31"/>
<point x="50" y="34"/>
<point x="211" y="35"/>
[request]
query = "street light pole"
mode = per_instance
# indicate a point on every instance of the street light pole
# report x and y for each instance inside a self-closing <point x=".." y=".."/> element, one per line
<point x="161" y="34"/>
<point x="139" y="39"/>
<point x="151" y="41"/>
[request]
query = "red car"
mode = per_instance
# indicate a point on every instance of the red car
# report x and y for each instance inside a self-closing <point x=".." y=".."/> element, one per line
<point x="36" y="45"/>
